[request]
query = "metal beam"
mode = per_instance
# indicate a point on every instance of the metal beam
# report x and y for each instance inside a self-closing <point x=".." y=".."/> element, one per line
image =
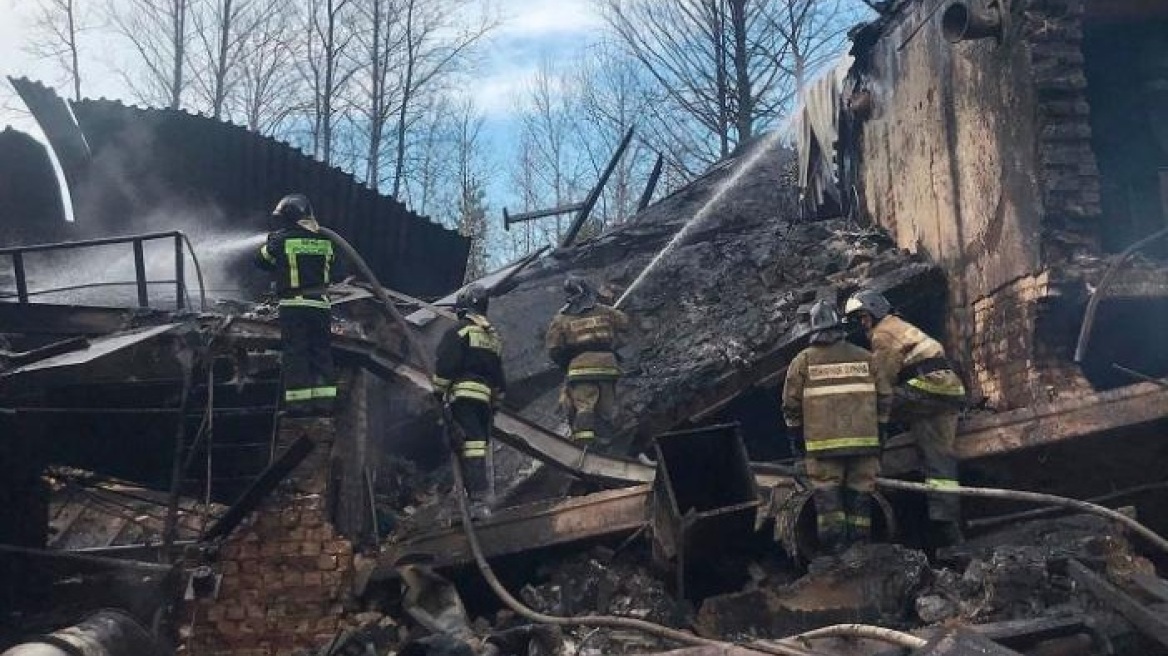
<point x="522" y="217"/>
<point x="261" y="487"/>
<point x="651" y="184"/>
<point x="594" y="195"/>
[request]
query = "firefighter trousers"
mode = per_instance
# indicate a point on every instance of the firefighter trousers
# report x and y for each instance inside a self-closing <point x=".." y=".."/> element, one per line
<point x="591" y="408"/>
<point x="934" y="436"/>
<point x="474" y="419"/>
<point x="842" y="489"/>
<point x="932" y="423"/>
<point x="309" y="382"/>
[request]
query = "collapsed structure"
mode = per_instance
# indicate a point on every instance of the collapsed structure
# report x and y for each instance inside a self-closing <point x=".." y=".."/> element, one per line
<point x="995" y="177"/>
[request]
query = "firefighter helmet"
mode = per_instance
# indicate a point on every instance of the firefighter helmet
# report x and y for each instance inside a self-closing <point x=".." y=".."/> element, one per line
<point x="577" y="286"/>
<point x="293" y="208"/>
<point x="824" y="317"/>
<point x="870" y="301"/>
<point x="474" y="298"/>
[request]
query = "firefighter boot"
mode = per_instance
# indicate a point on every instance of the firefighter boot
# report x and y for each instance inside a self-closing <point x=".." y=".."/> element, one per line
<point x="859" y="517"/>
<point x="831" y="521"/>
<point x="475" y="471"/>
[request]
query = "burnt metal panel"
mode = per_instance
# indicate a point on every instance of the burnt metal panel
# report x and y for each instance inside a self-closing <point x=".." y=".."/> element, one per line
<point x="147" y="164"/>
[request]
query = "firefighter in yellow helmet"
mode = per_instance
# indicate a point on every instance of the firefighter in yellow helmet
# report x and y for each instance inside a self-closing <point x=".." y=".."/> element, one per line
<point x="582" y="339"/>
<point x="836" y="407"/>
<point x="927" y="396"/>
<point x="468" y="377"/>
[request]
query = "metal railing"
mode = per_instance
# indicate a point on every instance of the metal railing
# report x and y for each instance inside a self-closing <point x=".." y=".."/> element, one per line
<point x="140" y="281"/>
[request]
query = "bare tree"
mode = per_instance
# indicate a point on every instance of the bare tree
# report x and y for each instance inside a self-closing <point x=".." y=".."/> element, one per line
<point x="268" y="84"/>
<point x="715" y="65"/>
<point x="549" y="124"/>
<point x="55" y="33"/>
<point x="326" y="67"/>
<point x="437" y="38"/>
<point x="158" y="31"/>
<point x="812" y="32"/>
<point x="222" y="30"/>
<point x="611" y="100"/>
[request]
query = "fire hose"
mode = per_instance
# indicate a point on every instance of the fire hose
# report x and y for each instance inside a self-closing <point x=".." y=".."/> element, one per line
<point x="600" y="621"/>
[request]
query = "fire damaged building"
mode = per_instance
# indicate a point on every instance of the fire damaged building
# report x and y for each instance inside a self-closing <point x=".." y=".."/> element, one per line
<point x="997" y="168"/>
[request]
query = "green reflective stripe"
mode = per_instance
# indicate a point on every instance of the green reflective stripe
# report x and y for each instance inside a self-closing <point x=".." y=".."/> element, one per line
<point x="267" y="255"/>
<point x="934" y="388"/>
<point x="294" y="248"/>
<point x="584" y="435"/>
<point x="324" y="392"/>
<point x="593" y="371"/>
<point x="843" y="443"/>
<point x="947" y="483"/>
<point x="474" y="449"/>
<point x="440" y="383"/>
<point x="831" y="518"/>
<point x="470" y="389"/>
<point x="480" y="338"/>
<point x="300" y="301"/>
<point x="298" y="395"/>
<point x="856" y="520"/>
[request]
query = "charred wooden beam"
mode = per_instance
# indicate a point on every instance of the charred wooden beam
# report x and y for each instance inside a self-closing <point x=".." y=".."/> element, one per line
<point x="1150" y="623"/>
<point x="91" y="562"/>
<point x="516" y="530"/>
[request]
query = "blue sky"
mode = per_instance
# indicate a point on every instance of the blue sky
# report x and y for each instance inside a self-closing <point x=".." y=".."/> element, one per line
<point x="531" y="31"/>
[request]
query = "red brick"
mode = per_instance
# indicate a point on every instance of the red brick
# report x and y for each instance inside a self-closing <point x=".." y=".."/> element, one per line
<point x="311" y="548"/>
<point x="313" y="579"/>
<point x="234" y="611"/>
<point x="326" y="562"/>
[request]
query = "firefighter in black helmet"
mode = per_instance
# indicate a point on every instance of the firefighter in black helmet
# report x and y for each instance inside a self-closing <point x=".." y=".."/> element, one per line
<point x="836" y="408"/>
<point x="583" y="339"/>
<point x="468" y="377"/>
<point x="301" y="260"/>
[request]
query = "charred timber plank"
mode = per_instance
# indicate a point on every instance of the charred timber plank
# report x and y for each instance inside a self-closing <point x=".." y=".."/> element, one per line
<point x="1044" y="424"/>
<point x="525" y="528"/>
<point x="1150" y="623"/>
<point x="82" y="560"/>
<point x="1153" y="585"/>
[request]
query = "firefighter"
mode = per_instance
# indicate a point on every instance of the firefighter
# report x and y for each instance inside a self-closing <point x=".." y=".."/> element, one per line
<point x="836" y="408"/>
<point x="927" y="397"/>
<point x="301" y="259"/>
<point x="582" y="340"/>
<point x="468" y="377"/>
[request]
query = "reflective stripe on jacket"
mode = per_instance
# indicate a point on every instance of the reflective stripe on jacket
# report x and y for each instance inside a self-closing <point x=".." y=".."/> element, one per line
<point x="302" y="261"/>
<point x="584" y="344"/>
<point x="909" y="357"/>
<point x="469" y="364"/>
<point x="833" y="391"/>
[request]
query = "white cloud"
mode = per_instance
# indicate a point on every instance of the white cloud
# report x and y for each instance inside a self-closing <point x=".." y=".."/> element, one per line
<point x="544" y="18"/>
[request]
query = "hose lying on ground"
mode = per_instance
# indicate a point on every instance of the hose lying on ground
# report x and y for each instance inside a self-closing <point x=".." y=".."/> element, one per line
<point x="601" y="621"/>
<point x="863" y="631"/>
<point x="1031" y="497"/>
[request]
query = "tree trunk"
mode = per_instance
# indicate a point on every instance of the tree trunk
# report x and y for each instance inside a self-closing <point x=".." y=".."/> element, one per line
<point x="71" y="17"/>
<point x="179" y="23"/>
<point x="744" y="118"/>
<point x="407" y="93"/>
<point x="376" y="102"/>
<point x="220" y="91"/>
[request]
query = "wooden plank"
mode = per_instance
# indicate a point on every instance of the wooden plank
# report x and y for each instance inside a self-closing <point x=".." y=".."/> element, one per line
<point x="1151" y="584"/>
<point x="1148" y="622"/>
<point x="516" y="530"/>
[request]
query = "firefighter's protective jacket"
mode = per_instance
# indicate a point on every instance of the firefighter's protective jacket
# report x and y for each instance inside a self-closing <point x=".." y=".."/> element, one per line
<point x="908" y="357"/>
<point x="302" y="259"/>
<point x="585" y="343"/>
<point x="469" y="362"/>
<point x="835" y="393"/>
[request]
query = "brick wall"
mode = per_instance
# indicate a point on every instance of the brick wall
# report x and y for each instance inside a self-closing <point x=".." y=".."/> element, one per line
<point x="286" y="573"/>
<point x="1069" y="174"/>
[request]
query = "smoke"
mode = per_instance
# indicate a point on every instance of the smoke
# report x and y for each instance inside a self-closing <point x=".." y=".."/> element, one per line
<point x="105" y="275"/>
